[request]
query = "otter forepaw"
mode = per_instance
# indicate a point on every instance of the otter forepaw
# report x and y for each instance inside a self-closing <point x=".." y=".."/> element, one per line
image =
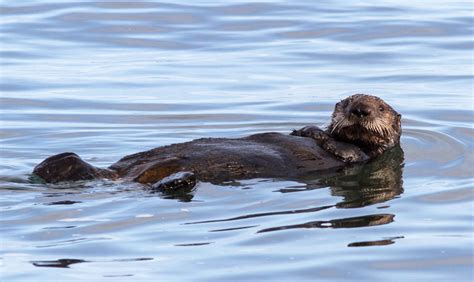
<point x="313" y="132"/>
<point x="347" y="153"/>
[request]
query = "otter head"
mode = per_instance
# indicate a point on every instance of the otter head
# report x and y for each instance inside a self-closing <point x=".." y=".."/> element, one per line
<point x="366" y="121"/>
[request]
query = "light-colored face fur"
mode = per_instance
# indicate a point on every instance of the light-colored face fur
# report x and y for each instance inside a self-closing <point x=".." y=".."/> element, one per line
<point x="366" y="121"/>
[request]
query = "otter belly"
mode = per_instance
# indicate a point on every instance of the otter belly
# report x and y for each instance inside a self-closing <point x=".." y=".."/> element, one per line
<point x="221" y="159"/>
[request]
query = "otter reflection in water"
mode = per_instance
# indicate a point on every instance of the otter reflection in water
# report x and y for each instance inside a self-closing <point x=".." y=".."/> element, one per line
<point x="359" y="185"/>
<point x="376" y="182"/>
<point x="362" y="128"/>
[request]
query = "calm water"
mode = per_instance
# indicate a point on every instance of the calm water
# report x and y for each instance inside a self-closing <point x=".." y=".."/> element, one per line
<point x="106" y="79"/>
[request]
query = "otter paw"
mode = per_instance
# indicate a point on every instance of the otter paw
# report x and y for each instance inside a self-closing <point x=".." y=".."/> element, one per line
<point x="68" y="167"/>
<point x="183" y="180"/>
<point x="346" y="153"/>
<point x="313" y="132"/>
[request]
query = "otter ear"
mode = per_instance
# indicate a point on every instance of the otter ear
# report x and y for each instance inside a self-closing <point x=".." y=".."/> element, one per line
<point x="343" y="103"/>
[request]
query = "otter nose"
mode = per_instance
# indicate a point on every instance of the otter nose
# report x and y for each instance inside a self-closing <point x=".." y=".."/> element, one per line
<point x="361" y="111"/>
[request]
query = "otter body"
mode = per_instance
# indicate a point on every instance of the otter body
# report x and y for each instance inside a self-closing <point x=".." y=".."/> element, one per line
<point x="210" y="159"/>
<point x="362" y="127"/>
<point x="221" y="159"/>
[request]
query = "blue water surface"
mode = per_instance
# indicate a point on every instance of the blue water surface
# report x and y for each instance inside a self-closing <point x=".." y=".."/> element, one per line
<point x="110" y="78"/>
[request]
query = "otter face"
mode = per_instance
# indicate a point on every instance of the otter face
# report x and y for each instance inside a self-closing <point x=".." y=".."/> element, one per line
<point x="366" y="121"/>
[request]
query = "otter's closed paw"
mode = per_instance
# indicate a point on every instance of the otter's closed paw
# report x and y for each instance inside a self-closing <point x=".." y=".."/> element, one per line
<point x="313" y="132"/>
<point x="347" y="153"/>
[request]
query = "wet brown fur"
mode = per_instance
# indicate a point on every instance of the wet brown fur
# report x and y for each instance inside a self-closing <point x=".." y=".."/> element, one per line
<point x="373" y="133"/>
<point x="259" y="155"/>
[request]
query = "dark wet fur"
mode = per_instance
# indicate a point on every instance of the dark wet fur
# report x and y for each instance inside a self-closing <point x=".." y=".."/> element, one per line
<point x="261" y="155"/>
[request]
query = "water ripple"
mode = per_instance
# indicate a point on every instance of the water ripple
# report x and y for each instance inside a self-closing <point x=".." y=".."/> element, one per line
<point x="110" y="78"/>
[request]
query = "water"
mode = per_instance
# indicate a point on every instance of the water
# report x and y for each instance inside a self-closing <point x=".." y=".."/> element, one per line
<point x="106" y="79"/>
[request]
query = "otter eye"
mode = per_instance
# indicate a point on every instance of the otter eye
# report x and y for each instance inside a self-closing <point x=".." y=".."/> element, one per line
<point x="381" y="109"/>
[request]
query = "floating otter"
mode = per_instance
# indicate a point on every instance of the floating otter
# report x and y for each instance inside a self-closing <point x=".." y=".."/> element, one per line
<point x="362" y="128"/>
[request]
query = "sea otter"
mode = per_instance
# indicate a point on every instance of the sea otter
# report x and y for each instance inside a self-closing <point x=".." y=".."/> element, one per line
<point x="362" y="128"/>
